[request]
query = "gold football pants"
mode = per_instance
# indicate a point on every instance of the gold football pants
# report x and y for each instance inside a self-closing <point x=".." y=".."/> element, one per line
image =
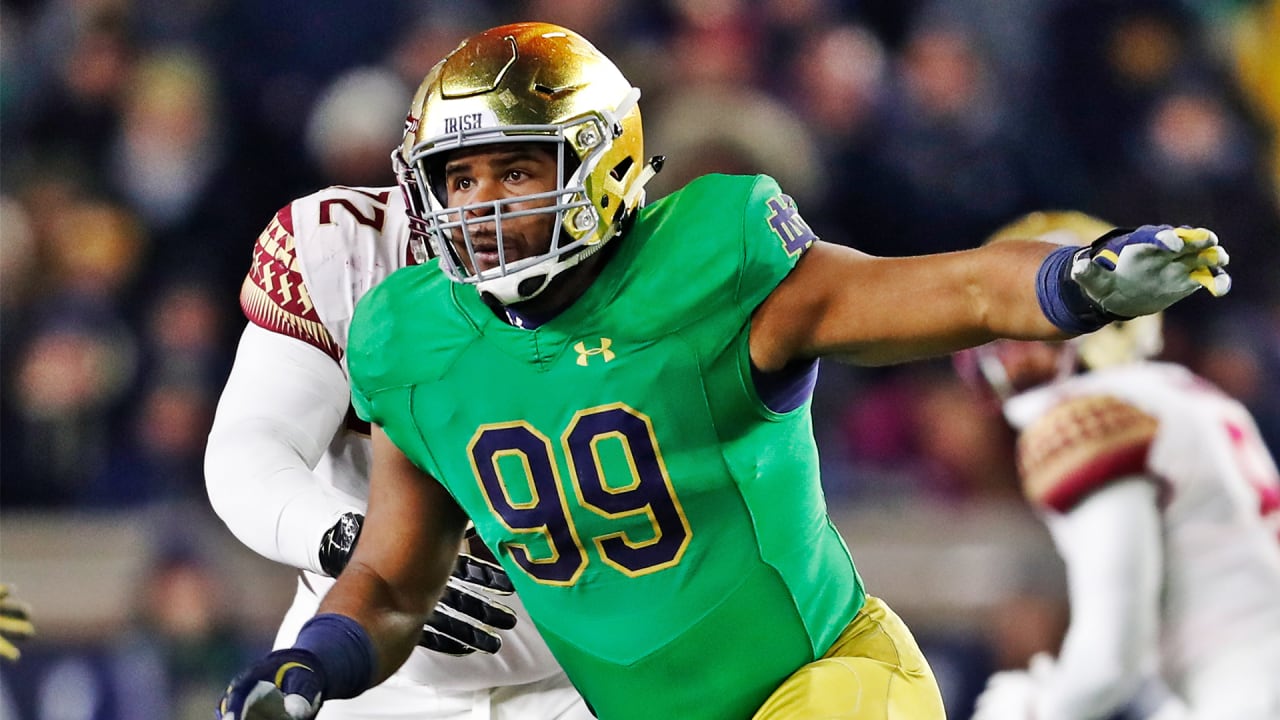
<point x="874" y="671"/>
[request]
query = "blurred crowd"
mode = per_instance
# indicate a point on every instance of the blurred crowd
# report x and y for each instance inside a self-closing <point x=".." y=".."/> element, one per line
<point x="145" y="143"/>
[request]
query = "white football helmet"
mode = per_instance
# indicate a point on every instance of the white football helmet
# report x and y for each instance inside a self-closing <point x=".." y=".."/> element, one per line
<point x="526" y="82"/>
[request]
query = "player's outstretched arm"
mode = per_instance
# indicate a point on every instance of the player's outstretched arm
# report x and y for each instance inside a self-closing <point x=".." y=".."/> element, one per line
<point x="881" y="310"/>
<point x="371" y="619"/>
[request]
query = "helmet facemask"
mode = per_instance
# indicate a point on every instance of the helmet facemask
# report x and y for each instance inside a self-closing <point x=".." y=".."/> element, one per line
<point x="987" y="368"/>
<point x="517" y="84"/>
<point x="576" y="230"/>
<point x="419" y="236"/>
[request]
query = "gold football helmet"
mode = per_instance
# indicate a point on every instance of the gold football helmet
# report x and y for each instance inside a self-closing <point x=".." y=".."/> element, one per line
<point x="526" y="82"/>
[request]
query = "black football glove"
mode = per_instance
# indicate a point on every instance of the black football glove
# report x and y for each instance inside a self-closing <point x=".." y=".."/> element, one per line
<point x="465" y="620"/>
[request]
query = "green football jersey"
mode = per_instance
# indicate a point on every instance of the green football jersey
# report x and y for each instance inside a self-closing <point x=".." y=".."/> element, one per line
<point x="664" y="528"/>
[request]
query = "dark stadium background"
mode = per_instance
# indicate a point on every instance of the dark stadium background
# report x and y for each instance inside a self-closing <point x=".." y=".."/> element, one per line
<point x="144" y="144"/>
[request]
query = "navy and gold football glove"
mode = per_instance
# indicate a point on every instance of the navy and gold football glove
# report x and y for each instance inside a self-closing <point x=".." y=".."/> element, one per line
<point x="1132" y="272"/>
<point x="285" y="685"/>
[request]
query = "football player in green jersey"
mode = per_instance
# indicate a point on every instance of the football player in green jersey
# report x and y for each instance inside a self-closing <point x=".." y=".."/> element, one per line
<point x="617" y="395"/>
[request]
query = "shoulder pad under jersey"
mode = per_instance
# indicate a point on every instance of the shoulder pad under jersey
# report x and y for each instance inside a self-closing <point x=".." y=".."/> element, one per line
<point x="1081" y="445"/>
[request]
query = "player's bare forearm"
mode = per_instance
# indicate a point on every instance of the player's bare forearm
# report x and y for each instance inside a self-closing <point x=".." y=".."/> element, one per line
<point x="878" y="310"/>
<point x="407" y="548"/>
<point x="392" y="618"/>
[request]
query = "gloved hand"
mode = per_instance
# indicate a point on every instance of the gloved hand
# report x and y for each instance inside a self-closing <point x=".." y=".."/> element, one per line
<point x="1145" y="270"/>
<point x="15" y="624"/>
<point x="285" y="685"/>
<point x="465" y="619"/>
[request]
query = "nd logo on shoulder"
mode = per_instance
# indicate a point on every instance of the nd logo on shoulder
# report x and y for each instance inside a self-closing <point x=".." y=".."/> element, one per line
<point x="585" y="353"/>
<point x="786" y="223"/>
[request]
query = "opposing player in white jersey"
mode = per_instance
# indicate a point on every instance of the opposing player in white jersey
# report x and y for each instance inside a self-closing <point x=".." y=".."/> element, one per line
<point x="287" y="468"/>
<point x="1165" y="506"/>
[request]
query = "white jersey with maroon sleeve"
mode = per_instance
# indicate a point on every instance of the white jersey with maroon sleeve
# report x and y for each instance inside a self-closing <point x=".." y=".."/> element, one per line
<point x="319" y="255"/>
<point x="312" y="264"/>
<point x="1219" y="624"/>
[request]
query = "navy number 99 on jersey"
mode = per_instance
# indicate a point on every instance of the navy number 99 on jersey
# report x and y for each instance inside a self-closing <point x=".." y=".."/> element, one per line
<point x="516" y="468"/>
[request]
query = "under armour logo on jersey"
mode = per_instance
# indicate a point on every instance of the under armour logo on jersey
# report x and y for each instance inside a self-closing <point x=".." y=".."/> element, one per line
<point x="791" y="229"/>
<point x="603" y="351"/>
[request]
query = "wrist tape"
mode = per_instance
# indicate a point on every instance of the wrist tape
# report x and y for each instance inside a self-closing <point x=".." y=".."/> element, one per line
<point x="344" y="650"/>
<point x="1062" y="300"/>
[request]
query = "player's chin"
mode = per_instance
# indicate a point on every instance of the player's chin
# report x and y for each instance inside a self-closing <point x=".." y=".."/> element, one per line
<point x="484" y="261"/>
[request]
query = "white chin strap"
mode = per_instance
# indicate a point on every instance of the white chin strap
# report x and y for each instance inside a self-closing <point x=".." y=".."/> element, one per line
<point x="506" y="289"/>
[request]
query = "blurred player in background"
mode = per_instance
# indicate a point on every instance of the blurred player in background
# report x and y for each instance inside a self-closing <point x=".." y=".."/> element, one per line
<point x="1165" y="506"/>
<point x="287" y="467"/>
<point x="618" y="395"/>
<point x="15" y="624"/>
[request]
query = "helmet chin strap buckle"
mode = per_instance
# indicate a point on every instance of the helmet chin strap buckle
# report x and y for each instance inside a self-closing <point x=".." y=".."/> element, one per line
<point x="651" y="168"/>
<point x="516" y="288"/>
<point x="531" y="286"/>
